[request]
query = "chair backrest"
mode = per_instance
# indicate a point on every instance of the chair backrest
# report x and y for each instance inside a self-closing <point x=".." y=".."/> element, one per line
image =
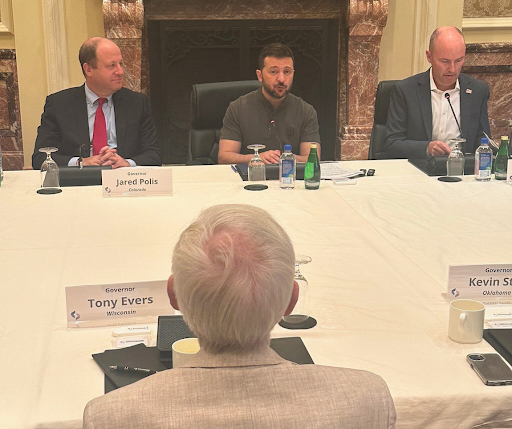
<point x="378" y="137"/>
<point x="209" y="104"/>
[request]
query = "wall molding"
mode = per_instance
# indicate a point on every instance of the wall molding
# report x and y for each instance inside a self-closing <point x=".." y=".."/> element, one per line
<point x="6" y="21"/>
<point x="425" y="22"/>
<point x="55" y="40"/>
<point x="487" y="23"/>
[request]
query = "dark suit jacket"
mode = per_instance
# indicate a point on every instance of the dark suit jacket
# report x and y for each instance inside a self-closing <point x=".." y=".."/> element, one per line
<point x="64" y="125"/>
<point x="409" y="124"/>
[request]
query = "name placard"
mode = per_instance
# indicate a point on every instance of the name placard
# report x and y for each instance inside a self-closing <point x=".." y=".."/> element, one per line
<point x="480" y="282"/>
<point x="116" y="304"/>
<point x="509" y="171"/>
<point x="137" y="182"/>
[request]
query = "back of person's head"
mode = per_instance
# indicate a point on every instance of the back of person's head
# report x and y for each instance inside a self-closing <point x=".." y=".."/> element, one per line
<point x="276" y="50"/>
<point x="233" y="271"/>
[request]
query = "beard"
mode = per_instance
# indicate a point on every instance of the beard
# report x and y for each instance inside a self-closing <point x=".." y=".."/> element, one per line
<point x="270" y="91"/>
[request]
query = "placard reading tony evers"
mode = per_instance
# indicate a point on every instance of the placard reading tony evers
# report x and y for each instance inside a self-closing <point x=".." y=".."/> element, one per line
<point x="116" y="304"/>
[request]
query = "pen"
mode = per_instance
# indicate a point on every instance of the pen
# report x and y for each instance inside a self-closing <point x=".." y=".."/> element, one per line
<point x="130" y="369"/>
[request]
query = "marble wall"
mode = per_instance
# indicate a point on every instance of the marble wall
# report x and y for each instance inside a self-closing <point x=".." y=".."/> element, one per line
<point x="362" y="20"/>
<point x="487" y="8"/>
<point x="492" y="62"/>
<point x="11" y="140"/>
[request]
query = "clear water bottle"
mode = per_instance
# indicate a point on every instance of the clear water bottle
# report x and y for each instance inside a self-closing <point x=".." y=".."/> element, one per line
<point x="287" y="168"/>
<point x="483" y="161"/>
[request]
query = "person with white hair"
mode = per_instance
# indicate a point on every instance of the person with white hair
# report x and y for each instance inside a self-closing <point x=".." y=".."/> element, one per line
<point x="233" y="280"/>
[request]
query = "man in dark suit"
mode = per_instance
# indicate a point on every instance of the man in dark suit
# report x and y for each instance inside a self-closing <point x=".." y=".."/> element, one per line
<point x="99" y="123"/>
<point x="420" y="120"/>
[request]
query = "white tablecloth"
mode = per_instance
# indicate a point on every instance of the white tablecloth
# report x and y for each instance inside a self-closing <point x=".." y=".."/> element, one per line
<point x="380" y="248"/>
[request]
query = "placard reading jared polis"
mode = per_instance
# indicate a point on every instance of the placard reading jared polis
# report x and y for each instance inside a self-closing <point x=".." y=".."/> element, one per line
<point x="116" y="304"/>
<point x="137" y="181"/>
<point x="480" y="282"/>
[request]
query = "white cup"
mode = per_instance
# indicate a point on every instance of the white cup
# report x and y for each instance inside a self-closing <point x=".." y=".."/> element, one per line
<point x="466" y="324"/>
<point x="183" y="351"/>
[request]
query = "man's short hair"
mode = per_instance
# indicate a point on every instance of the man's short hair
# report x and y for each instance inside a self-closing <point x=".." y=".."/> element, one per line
<point x="277" y="50"/>
<point x="435" y="35"/>
<point x="233" y="273"/>
<point x="87" y="53"/>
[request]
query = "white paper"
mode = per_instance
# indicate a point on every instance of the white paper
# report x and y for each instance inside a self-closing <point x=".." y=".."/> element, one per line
<point x="335" y="170"/>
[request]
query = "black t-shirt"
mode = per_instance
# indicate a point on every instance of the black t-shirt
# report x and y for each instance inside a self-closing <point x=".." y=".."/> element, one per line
<point x="252" y="120"/>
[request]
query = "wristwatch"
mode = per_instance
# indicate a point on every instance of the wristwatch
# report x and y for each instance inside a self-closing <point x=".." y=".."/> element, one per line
<point x="80" y="163"/>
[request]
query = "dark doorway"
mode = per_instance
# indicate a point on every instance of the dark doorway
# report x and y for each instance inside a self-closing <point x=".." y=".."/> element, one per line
<point x="183" y="53"/>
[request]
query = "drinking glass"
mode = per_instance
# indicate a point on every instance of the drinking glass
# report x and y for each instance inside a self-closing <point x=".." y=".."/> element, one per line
<point x="455" y="161"/>
<point x="49" y="173"/>
<point x="301" y="311"/>
<point x="256" y="165"/>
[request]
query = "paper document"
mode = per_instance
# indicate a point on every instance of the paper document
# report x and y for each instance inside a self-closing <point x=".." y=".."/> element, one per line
<point x="335" y="170"/>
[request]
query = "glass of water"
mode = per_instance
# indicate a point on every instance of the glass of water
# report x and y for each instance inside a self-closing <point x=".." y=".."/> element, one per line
<point x="302" y="309"/>
<point x="256" y="165"/>
<point x="50" y="183"/>
<point x="455" y="161"/>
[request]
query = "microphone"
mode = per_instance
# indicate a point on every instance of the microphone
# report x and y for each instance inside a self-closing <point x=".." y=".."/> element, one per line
<point x="447" y="96"/>
<point x="273" y="123"/>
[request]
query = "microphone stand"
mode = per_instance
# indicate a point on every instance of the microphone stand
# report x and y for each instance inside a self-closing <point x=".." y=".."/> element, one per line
<point x="447" y="96"/>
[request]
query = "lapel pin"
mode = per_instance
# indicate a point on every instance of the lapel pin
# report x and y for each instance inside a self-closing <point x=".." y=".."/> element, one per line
<point x="469" y="91"/>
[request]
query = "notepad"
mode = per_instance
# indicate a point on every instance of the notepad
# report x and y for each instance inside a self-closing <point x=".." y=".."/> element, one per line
<point x="291" y="348"/>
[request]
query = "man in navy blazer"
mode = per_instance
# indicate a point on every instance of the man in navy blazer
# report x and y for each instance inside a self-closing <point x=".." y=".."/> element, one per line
<point x="420" y="120"/>
<point x="68" y="119"/>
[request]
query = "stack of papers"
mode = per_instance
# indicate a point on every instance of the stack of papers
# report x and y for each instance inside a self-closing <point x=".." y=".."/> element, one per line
<point x="335" y="170"/>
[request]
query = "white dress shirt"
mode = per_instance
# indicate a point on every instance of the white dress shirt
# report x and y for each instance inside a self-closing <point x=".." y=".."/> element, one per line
<point x="444" y="126"/>
<point x="110" y="120"/>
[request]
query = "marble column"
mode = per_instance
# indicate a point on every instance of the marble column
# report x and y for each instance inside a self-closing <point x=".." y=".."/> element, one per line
<point x="124" y="20"/>
<point x="367" y="18"/>
<point x="492" y="63"/>
<point x="11" y="140"/>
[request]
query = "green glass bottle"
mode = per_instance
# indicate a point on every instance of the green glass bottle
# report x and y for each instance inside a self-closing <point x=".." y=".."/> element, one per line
<point x="312" y="170"/>
<point x="501" y="162"/>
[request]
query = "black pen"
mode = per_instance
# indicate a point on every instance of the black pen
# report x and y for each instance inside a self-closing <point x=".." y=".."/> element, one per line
<point x="130" y="369"/>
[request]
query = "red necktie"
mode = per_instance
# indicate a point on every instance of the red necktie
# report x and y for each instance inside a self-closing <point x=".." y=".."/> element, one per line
<point x="99" y="136"/>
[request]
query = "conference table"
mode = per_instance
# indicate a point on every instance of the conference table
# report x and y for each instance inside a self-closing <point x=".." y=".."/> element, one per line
<point x="380" y="250"/>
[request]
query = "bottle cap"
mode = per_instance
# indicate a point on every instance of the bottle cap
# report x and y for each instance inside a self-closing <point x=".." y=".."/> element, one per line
<point x="288" y="147"/>
<point x="484" y="140"/>
<point x="313" y="146"/>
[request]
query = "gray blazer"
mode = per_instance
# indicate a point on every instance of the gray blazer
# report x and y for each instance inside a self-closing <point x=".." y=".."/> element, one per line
<point x="257" y="391"/>
<point x="409" y="124"/>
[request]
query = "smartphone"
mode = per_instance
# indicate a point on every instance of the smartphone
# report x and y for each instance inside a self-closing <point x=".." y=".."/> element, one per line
<point x="491" y="368"/>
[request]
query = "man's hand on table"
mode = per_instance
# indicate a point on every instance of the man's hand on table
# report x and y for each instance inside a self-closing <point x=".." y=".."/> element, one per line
<point x="106" y="156"/>
<point x="438" y="148"/>
<point x="270" y="156"/>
